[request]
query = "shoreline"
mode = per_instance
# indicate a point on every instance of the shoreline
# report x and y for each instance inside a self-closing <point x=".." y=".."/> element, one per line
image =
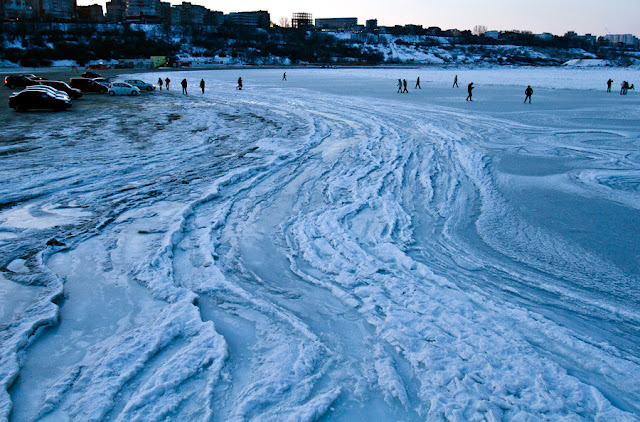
<point x="66" y="72"/>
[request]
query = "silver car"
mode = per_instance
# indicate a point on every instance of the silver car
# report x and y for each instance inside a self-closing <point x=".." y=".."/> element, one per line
<point x="140" y="84"/>
<point x="59" y="94"/>
<point x="123" y="88"/>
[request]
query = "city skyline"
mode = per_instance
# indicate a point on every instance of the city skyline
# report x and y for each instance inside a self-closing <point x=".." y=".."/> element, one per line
<point x="595" y="16"/>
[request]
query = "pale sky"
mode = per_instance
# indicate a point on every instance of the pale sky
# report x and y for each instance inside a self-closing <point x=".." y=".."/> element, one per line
<point x="598" y="17"/>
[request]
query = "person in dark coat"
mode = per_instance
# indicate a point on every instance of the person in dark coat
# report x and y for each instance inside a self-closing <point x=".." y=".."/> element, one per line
<point x="160" y="83"/>
<point x="418" y="83"/>
<point x="455" y="82"/>
<point x="202" y="85"/>
<point x="166" y="83"/>
<point x="528" y="93"/>
<point x="469" y="90"/>
<point x="624" y="87"/>
<point x="609" y="82"/>
<point x="284" y="76"/>
<point x="239" y="84"/>
<point x="404" y="84"/>
<point x="184" y="86"/>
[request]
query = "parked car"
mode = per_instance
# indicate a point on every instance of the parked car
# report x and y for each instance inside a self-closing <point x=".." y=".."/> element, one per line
<point x="140" y="84"/>
<point x="87" y="85"/>
<point x="99" y="66"/>
<point x="18" y="81"/>
<point x="123" y="88"/>
<point x="37" y="99"/>
<point x="91" y="75"/>
<point x="102" y="81"/>
<point x="35" y="78"/>
<point x="62" y="86"/>
<point x="53" y="91"/>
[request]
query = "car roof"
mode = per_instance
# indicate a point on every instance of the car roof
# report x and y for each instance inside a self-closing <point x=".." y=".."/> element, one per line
<point x="42" y="91"/>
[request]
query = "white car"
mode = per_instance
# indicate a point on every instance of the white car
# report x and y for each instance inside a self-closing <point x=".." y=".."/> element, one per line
<point x="123" y="88"/>
<point x="59" y="94"/>
<point x="140" y="84"/>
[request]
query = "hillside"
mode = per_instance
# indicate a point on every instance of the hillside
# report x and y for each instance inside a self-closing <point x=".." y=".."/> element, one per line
<point x="45" y="44"/>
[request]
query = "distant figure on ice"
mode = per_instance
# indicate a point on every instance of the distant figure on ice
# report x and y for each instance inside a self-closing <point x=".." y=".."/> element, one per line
<point x="239" y="84"/>
<point x="202" y="85"/>
<point x="160" y="83"/>
<point x="528" y="93"/>
<point x="166" y="83"/>
<point x="418" y="83"/>
<point x="404" y="84"/>
<point x="455" y="82"/>
<point x="284" y="76"/>
<point x="399" y="85"/>
<point x="469" y="89"/>
<point x="184" y="86"/>
<point x="624" y="87"/>
<point x="609" y="82"/>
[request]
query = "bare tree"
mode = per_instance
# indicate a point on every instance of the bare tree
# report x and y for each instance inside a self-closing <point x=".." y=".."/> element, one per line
<point x="479" y="30"/>
<point x="284" y="22"/>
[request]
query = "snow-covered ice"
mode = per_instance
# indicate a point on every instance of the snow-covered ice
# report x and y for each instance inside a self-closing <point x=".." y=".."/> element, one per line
<point x="325" y="249"/>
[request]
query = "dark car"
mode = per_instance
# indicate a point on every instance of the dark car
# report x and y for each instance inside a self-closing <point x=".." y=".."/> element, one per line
<point x="35" y="78"/>
<point x="62" y="86"/>
<point x="91" y="75"/>
<point x="19" y="81"/>
<point x="87" y="85"/>
<point x="36" y="99"/>
<point x="102" y="81"/>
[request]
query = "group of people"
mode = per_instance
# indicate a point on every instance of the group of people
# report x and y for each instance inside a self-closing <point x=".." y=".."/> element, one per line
<point x="184" y="84"/>
<point x="402" y="86"/>
<point x="625" y="87"/>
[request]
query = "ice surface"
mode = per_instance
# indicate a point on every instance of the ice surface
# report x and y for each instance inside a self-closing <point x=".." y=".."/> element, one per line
<point x="326" y="249"/>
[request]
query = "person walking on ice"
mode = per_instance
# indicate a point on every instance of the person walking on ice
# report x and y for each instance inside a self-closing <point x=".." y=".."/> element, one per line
<point x="609" y="82"/>
<point x="166" y="83"/>
<point x="160" y="83"/>
<point x="469" y="90"/>
<point x="527" y="93"/>
<point x="624" y="87"/>
<point x="399" y="86"/>
<point x="239" y="87"/>
<point x="418" y="83"/>
<point x="455" y="82"/>
<point x="404" y="84"/>
<point x="284" y="76"/>
<point x="184" y="86"/>
<point x="202" y="85"/>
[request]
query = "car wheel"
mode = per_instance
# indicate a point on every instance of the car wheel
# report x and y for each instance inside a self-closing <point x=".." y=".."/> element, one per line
<point x="20" y="108"/>
<point x="112" y="93"/>
<point x="149" y="88"/>
<point x="134" y="93"/>
<point x="103" y="91"/>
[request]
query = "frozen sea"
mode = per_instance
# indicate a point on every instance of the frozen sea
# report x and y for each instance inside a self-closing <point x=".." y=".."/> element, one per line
<point x="325" y="249"/>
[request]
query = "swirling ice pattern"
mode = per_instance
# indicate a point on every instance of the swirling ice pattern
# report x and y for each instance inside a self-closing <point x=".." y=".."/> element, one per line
<point x="322" y="257"/>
